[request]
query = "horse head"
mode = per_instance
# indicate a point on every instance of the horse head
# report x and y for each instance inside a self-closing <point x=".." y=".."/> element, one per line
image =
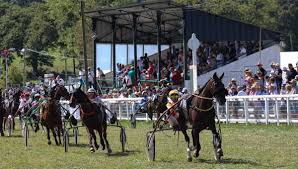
<point x="218" y="89"/>
<point x="59" y="91"/>
<point x="78" y="97"/>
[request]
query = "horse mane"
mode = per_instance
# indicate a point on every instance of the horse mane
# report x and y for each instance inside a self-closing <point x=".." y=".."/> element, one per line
<point x="205" y="85"/>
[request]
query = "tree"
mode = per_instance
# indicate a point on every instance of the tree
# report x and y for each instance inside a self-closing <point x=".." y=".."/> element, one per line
<point x="288" y="23"/>
<point x="41" y="34"/>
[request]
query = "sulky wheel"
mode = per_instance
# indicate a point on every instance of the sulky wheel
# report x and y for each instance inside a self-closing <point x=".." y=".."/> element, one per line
<point x="133" y="121"/>
<point x="26" y="134"/>
<point x="123" y="138"/>
<point x="151" y="147"/>
<point x="76" y="134"/>
<point x="66" y="140"/>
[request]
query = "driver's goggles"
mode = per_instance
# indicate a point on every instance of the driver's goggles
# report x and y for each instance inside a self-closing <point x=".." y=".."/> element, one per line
<point x="174" y="96"/>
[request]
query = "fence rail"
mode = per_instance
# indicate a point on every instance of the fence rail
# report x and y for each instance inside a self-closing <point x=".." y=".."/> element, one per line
<point x="238" y="109"/>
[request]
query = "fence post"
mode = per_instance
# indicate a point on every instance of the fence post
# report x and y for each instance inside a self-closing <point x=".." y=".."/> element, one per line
<point x="288" y="111"/>
<point x="245" y="111"/>
<point x="227" y="112"/>
<point x="266" y="111"/>
<point x="127" y="111"/>
<point x="120" y="112"/>
<point x="277" y="111"/>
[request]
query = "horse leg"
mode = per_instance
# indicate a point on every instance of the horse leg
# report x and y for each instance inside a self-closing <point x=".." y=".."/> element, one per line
<point x="48" y="135"/>
<point x="101" y="138"/>
<point x="186" y="137"/>
<point x="196" y="141"/>
<point x="1" y="124"/>
<point x="54" y="135"/>
<point x="216" y="141"/>
<point x="59" y="134"/>
<point x="105" y="137"/>
<point x="4" y="122"/>
<point x="94" y="140"/>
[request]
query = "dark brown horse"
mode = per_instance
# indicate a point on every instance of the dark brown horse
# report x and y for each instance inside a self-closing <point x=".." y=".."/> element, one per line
<point x="51" y="114"/>
<point x="202" y="113"/>
<point x="12" y="109"/>
<point x="2" y="113"/>
<point x="158" y="103"/>
<point x="93" y="118"/>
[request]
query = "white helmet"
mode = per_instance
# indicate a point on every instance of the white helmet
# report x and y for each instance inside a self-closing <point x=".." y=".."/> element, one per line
<point x="91" y="90"/>
<point x="61" y="82"/>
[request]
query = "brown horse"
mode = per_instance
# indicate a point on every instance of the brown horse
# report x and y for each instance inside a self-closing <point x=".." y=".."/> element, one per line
<point x="51" y="114"/>
<point x="93" y="118"/>
<point x="202" y="113"/>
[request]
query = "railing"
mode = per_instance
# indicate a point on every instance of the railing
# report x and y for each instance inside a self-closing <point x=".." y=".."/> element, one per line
<point x="259" y="109"/>
<point x="123" y="107"/>
<point x="238" y="109"/>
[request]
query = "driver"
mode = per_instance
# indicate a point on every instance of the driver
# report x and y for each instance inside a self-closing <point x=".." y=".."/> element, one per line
<point x="144" y="101"/>
<point x="94" y="98"/>
<point x="172" y="114"/>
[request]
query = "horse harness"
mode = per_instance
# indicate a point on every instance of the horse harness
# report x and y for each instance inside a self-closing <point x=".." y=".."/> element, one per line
<point x="204" y="98"/>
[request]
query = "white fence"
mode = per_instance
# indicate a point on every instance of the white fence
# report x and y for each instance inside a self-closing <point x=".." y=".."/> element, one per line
<point x="241" y="109"/>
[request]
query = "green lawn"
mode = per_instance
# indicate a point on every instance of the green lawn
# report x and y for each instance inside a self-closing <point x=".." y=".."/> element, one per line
<point x="252" y="146"/>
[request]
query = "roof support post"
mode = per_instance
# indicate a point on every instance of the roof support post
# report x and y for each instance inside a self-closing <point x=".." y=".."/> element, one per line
<point x="114" y="49"/>
<point x="134" y="33"/>
<point x="185" y="68"/>
<point x="94" y="65"/>
<point x="158" y="14"/>
<point x="84" y="42"/>
<point x="94" y="55"/>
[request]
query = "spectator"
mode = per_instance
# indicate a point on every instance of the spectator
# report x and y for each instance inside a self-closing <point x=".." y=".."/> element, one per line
<point x="292" y="72"/>
<point x="241" y="91"/>
<point x="233" y="91"/>
<point x="261" y="69"/>
<point x="242" y="51"/>
<point x="90" y="78"/>
<point x="272" y="69"/>
<point x="278" y="76"/>
<point x="176" y="78"/>
<point x="285" y="74"/>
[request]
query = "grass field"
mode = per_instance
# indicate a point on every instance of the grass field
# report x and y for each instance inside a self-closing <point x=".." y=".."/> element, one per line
<point x="251" y="146"/>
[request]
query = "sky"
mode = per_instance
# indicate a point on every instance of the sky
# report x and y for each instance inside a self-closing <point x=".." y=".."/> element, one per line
<point x="104" y="53"/>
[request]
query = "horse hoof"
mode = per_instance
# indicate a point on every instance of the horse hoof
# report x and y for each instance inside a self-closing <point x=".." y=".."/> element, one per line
<point x="189" y="159"/>
<point x="97" y="147"/>
<point x="92" y="150"/>
<point x="195" y="154"/>
<point x="109" y="151"/>
<point x="220" y="152"/>
<point x="49" y="143"/>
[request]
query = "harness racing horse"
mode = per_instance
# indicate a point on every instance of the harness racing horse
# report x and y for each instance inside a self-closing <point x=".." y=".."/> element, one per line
<point x="11" y="110"/>
<point x="93" y="118"/>
<point x="202" y="113"/>
<point x="50" y="114"/>
<point x="2" y="113"/>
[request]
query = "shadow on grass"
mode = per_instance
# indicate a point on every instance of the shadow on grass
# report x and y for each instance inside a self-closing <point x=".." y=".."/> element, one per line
<point x="14" y="136"/>
<point x="122" y="154"/>
<point x="229" y="161"/>
<point x="78" y="145"/>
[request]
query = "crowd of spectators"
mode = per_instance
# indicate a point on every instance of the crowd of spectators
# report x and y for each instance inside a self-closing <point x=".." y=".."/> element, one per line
<point x="266" y="82"/>
<point x="209" y="57"/>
